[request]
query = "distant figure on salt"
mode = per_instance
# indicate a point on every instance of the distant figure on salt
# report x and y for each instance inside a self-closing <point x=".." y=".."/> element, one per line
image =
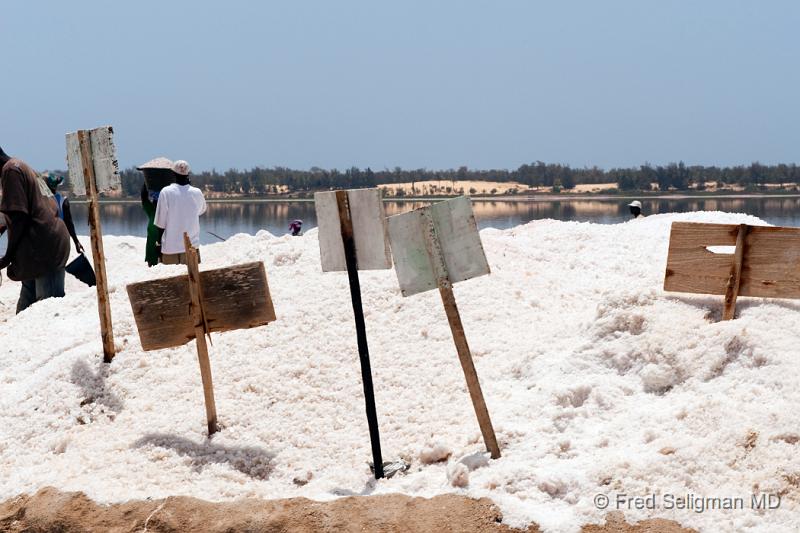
<point x="178" y="211"/>
<point x="38" y="241"/>
<point x="636" y="209"/>
<point x="157" y="175"/>
<point x="296" y="227"/>
<point x="64" y="212"/>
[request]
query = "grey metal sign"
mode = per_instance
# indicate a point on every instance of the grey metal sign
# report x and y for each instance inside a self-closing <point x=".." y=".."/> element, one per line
<point x="436" y="244"/>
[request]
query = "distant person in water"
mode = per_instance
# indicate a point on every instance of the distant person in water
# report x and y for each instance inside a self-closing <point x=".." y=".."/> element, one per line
<point x="38" y="241"/>
<point x="62" y="202"/>
<point x="636" y="209"/>
<point x="178" y="211"/>
<point x="296" y="227"/>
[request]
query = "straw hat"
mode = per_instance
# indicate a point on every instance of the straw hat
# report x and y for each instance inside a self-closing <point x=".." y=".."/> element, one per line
<point x="158" y="162"/>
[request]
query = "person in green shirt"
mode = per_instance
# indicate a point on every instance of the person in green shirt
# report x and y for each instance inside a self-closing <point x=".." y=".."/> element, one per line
<point x="158" y="174"/>
<point x="152" y="254"/>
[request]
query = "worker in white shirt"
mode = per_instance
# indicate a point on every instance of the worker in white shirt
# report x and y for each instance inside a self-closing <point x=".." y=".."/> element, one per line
<point x="179" y="208"/>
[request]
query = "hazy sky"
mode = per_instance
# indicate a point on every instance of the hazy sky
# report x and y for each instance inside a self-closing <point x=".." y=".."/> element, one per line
<point x="434" y="84"/>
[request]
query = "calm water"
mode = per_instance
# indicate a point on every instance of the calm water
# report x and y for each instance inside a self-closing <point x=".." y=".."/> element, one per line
<point x="228" y="218"/>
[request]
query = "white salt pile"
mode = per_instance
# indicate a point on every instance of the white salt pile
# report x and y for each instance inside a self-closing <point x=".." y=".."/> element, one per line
<point x="598" y="382"/>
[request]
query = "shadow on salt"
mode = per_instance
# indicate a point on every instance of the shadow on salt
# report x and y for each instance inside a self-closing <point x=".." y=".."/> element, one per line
<point x="252" y="461"/>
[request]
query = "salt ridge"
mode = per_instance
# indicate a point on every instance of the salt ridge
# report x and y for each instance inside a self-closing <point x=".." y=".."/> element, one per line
<point x="597" y="382"/>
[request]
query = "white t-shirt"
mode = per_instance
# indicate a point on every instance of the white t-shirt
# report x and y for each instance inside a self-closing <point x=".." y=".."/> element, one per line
<point x="177" y="212"/>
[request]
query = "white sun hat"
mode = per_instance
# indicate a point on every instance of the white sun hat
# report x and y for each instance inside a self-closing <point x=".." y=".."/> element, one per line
<point x="158" y="162"/>
<point x="181" y="167"/>
<point x="635" y="203"/>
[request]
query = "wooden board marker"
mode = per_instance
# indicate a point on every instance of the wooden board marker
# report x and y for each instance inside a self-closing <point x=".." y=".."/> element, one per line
<point x="172" y="311"/>
<point x="93" y="169"/>
<point x="200" y="331"/>
<point x="765" y="262"/>
<point x="433" y="247"/>
<point x="356" y="239"/>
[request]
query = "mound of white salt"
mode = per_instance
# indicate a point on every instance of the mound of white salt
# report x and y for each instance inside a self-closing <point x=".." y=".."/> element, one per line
<point x="598" y="382"/>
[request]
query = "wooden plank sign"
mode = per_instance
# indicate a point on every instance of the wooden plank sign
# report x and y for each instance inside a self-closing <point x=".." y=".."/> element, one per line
<point x="172" y="311"/>
<point x="92" y="162"/>
<point x="765" y="261"/>
<point x="434" y="247"/>
<point x="235" y="297"/>
<point x="369" y="230"/>
<point x="352" y="236"/>
<point x="104" y="159"/>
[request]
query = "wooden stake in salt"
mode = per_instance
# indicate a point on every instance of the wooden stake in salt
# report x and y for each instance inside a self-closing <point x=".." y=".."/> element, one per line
<point x="352" y="237"/>
<point x="200" y="332"/>
<point x="433" y="247"/>
<point x="92" y="162"/>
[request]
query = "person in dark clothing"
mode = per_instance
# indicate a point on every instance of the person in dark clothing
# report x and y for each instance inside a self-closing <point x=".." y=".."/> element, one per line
<point x="149" y="204"/>
<point x="157" y="175"/>
<point x="296" y="227"/>
<point x="64" y="212"/>
<point x="38" y="242"/>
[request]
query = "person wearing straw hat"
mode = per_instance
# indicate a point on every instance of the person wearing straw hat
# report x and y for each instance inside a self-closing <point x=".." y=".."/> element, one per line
<point x="178" y="211"/>
<point x="636" y="209"/>
<point x="38" y="241"/>
<point x="157" y="174"/>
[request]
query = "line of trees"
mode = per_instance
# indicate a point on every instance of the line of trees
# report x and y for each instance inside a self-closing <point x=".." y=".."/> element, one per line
<point x="261" y="181"/>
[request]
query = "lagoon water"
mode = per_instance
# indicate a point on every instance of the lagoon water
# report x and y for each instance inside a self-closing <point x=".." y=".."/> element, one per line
<point x="228" y="218"/>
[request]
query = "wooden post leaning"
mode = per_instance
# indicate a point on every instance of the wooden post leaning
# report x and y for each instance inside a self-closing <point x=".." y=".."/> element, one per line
<point x="734" y="281"/>
<point x="200" y="331"/>
<point x="460" y="339"/>
<point x="351" y="261"/>
<point x="103" y="304"/>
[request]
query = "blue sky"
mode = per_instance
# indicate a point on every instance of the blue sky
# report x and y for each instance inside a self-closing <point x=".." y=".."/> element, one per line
<point x="434" y="84"/>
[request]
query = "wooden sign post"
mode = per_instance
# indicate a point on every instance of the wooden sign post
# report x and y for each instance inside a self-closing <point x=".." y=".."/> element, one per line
<point x="434" y="247"/>
<point x="91" y="158"/>
<point x="200" y="332"/>
<point x="172" y="311"/>
<point x="765" y="262"/>
<point x="352" y="236"/>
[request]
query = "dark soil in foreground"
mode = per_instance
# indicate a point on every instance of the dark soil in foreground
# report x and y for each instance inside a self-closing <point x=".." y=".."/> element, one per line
<point x="51" y="510"/>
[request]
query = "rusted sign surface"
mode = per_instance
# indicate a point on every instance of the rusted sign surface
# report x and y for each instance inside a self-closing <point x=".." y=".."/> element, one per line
<point x="104" y="156"/>
<point x="234" y="297"/>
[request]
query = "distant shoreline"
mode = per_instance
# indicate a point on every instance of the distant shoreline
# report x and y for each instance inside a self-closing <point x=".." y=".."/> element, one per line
<point x="497" y="198"/>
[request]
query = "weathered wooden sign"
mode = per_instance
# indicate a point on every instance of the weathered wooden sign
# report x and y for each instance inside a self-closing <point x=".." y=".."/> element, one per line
<point x="104" y="161"/>
<point x="92" y="162"/>
<point x="235" y="297"/>
<point x="352" y="236"/>
<point x="765" y="262"/>
<point x="434" y="247"/>
<point x="172" y="311"/>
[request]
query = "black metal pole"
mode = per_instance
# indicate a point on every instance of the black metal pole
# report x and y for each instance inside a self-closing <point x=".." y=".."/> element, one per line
<point x="361" y="330"/>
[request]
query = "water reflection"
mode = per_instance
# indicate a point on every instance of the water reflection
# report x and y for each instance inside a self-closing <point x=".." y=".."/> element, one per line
<point x="228" y="218"/>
